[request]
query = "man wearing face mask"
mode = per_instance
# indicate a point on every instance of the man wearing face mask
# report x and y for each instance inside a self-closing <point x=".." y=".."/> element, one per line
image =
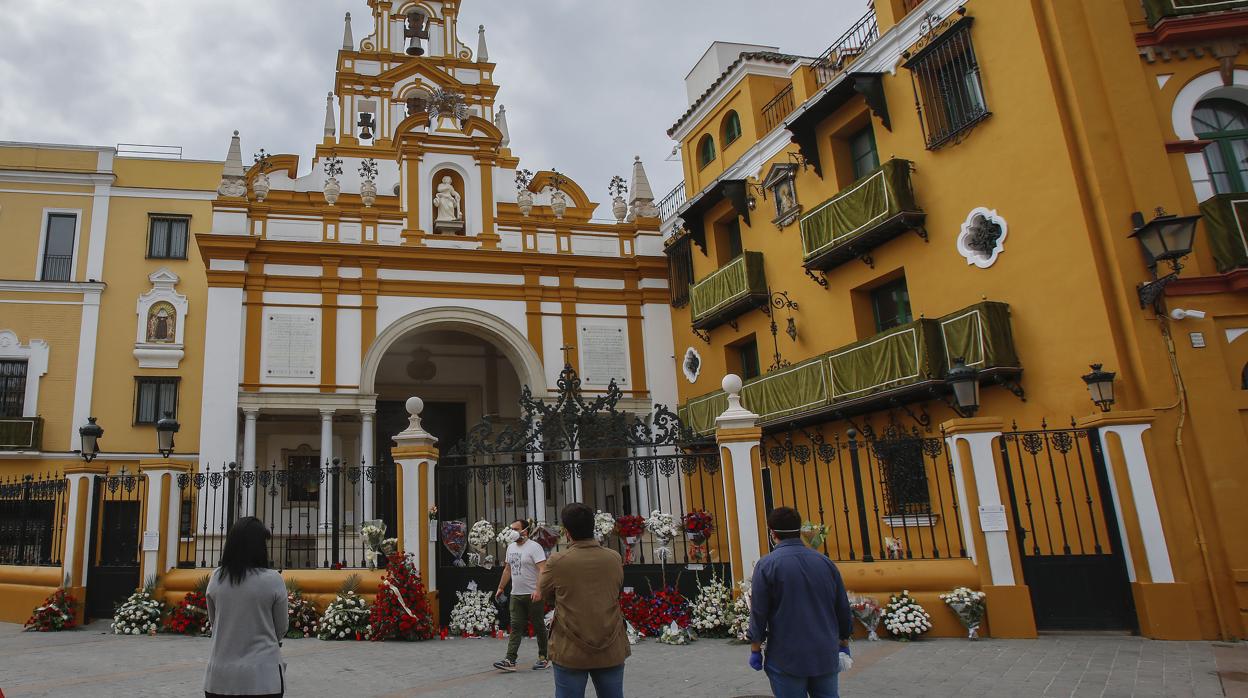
<point x="799" y="607"/>
<point x="525" y="560"/>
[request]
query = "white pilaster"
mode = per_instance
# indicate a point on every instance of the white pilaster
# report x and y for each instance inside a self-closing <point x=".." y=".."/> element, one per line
<point x="218" y="429"/>
<point x="740" y="454"/>
<point x="70" y="564"/>
<point x="171" y="525"/>
<point x="250" y="415"/>
<point x="327" y="455"/>
<point x="84" y="376"/>
<point x="151" y="524"/>
<point x="366" y="460"/>
<point x="984" y="468"/>
<point x="1156" y="551"/>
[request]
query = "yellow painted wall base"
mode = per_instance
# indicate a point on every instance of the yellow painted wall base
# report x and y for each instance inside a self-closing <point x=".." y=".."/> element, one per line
<point x="318" y="586"/>
<point x="22" y="589"/>
<point x="1010" y="611"/>
<point x="1165" y="611"/>
<point x="926" y="580"/>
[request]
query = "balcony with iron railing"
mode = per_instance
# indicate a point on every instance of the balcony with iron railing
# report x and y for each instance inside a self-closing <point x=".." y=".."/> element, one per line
<point x="56" y="267"/>
<point x="846" y="49"/>
<point x="876" y="208"/>
<point x="1157" y="10"/>
<point x="671" y="203"/>
<point x="779" y="107"/>
<point x="729" y="292"/>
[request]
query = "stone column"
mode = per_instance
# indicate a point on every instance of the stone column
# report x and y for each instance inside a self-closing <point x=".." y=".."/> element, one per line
<point x="327" y="456"/>
<point x="367" y="433"/>
<point x="740" y="446"/>
<point x="156" y="540"/>
<point x="415" y="458"/>
<point x="985" y="525"/>
<point x="249" y="455"/>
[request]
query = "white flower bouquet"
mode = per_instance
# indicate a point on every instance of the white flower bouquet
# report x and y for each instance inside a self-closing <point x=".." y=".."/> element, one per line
<point x="480" y="535"/>
<point x="713" y="611"/>
<point x="604" y="525"/>
<point x="374" y="532"/>
<point x="673" y="634"/>
<point x="138" y="615"/>
<point x="507" y="536"/>
<point x="739" y="629"/>
<point x="868" y="612"/>
<point x="663" y="527"/>
<point x="969" y="606"/>
<point x="346" y="618"/>
<point x="474" y="614"/>
<point x="905" y="618"/>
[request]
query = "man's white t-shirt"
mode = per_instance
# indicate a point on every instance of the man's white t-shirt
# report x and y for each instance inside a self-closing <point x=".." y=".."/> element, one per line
<point x="523" y="561"/>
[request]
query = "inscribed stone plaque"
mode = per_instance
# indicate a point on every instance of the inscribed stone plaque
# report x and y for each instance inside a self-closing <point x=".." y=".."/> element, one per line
<point x="604" y="354"/>
<point x="291" y="344"/>
<point x="992" y="518"/>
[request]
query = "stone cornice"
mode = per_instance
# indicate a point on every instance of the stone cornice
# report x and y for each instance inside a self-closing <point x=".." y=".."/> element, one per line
<point x="84" y="287"/>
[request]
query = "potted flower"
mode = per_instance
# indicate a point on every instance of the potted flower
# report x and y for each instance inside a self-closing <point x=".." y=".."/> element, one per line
<point x="558" y="200"/>
<point x="629" y="527"/>
<point x="524" y="197"/>
<point x="260" y="183"/>
<point x="618" y="188"/>
<point x="333" y="168"/>
<point x="368" y="185"/>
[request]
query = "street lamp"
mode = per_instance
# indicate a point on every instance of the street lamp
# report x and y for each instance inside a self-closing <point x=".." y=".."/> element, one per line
<point x="165" y="429"/>
<point x="1101" y="387"/>
<point x="1166" y="238"/>
<point x="90" y="434"/>
<point x="964" y="381"/>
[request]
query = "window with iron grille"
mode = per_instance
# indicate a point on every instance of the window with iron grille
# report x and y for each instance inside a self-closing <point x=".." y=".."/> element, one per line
<point x="12" y="388"/>
<point x="903" y="475"/>
<point x="680" y="271"/>
<point x="166" y="237"/>
<point x="58" y="247"/>
<point x="153" y="398"/>
<point x="948" y="91"/>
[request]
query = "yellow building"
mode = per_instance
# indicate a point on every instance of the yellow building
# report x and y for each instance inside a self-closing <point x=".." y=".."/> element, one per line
<point x="958" y="182"/>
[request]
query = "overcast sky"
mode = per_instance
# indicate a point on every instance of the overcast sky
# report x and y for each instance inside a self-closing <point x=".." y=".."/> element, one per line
<point x="587" y="83"/>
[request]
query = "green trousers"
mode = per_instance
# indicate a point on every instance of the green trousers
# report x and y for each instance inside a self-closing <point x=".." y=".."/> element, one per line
<point x="525" y="610"/>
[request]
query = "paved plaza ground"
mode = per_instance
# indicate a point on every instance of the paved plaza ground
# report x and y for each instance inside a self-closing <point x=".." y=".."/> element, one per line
<point x="91" y="662"/>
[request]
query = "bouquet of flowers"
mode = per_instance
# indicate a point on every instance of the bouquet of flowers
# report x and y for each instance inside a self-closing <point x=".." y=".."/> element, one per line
<point x="905" y="618"/>
<point x="604" y="525"/>
<point x="389" y="546"/>
<point x="56" y="613"/>
<point x="190" y="616"/>
<point x="633" y="636"/>
<point x="698" y="526"/>
<point x="663" y="528"/>
<point x="139" y="614"/>
<point x="713" y="611"/>
<point x="302" y="618"/>
<point x="814" y="534"/>
<point x="649" y="615"/>
<point x="479" y="536"/>
<point x="673" y="634"/>
<point x="628" y="528"/>
<point x="894" y="549"/>
<point x="433" y="513"/>
<point x="545" y="535"/>
<point x="346" y="617"/>
<point x="474" y="614"/>
<point x="507" y="536"/>
<point x="454" y="537"/>
<point x="969" y="606"/>
<point x="739" y="630"/>
<point x="401" y="609"/>
<point x="868" y="612"/>
<point x="373" y="531"/>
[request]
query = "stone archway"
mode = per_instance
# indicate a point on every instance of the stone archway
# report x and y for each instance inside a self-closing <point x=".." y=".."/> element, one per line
<point x="513" y="345"/>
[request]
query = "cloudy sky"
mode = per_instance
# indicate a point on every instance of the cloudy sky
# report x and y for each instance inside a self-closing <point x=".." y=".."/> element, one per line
<point x="587" y="83"/>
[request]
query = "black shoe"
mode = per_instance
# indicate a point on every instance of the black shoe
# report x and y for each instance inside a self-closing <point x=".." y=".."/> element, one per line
<point x="505" y="665"/>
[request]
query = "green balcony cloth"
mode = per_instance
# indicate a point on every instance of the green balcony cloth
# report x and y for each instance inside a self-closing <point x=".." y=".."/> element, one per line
<point x="737" y="279"/>
<point x="1158" y="10"/>
<point x="1226" y="226"/>
<point x="980" y="335"/>
<point x="903" y="355"/>
<point x="859" y="208"/>
<point x="787" y="391"/>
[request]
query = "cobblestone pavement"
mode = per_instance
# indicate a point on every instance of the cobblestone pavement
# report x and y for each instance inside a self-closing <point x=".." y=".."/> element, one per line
<point x="93" y="663"/>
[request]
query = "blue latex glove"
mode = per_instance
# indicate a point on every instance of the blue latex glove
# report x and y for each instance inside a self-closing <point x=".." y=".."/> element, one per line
<point x="845" y="651"/>
<point x="845" y="661"/>
<point x="756" y="661"/>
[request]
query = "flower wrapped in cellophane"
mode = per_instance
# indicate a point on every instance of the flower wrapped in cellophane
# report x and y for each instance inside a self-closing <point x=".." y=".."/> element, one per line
<point x="814" y="534"/>
<point x="867" y="612"/>
<point x="969" y="606"/>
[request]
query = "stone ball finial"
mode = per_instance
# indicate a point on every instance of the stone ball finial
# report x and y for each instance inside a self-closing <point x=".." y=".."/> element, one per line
<point x="481" y="28"/>
<point x="235" y="132"/>
<point x="415" y="406"/>
<point x="731" y="384"/>
<point x="636" y="158"/>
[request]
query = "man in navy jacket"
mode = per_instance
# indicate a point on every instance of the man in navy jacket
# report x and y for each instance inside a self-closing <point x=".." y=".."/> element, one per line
<point x="799" y="607"/>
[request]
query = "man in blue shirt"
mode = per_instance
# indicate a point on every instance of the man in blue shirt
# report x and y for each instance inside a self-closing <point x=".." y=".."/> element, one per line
<point x="799" y="607"/>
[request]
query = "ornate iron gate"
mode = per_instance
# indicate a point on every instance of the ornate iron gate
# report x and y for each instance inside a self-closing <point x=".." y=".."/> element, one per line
<point x="580" y="449"/>
<point x="115" y="533"/>
<point x="1066" y="528"/>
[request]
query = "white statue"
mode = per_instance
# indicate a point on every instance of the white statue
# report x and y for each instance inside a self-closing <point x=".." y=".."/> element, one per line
<point x="447" y="201"/>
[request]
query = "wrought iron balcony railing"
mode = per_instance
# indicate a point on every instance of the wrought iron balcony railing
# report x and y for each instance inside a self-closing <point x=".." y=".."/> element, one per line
<point x="1226" y="226"/>
<point x="902" y="364"/>
<point x="729" y="292"/>
<point x="779" y="107"/>
<point x="21" y="434"/>
<point x="852" y="43"/>
<point x="56" y="267"/>
<point x="1157" y="10"/>
<point x="671" y="203"/>
<point x="876" y="208"/>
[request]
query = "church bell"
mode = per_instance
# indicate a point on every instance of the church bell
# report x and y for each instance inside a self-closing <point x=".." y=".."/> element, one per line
<point x="417" y="28"/>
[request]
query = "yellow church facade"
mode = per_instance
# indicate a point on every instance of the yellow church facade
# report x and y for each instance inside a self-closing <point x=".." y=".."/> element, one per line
<point x="954" y="195"/>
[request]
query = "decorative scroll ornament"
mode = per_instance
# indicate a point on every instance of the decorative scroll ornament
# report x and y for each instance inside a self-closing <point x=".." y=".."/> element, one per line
<point x="982" y="238"/>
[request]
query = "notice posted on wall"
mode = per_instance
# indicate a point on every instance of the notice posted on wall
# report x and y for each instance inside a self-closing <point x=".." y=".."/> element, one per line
<point x="291" y="345"/>
<point x="604" y="354"/>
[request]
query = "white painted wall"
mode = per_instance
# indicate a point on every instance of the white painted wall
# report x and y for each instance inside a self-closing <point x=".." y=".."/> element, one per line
<point x="218" y="429"/>
<point x="656" y="328"/>
<point x="348" y="347"/>
<point x="391" y="308"/>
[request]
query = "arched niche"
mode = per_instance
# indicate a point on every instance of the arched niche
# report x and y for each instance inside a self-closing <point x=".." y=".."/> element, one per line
<point x="442" y="177"/>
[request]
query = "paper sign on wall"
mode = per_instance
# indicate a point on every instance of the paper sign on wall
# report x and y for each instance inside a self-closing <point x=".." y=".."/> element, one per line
<point x="151" y="541"/>
<point x="992" y="518"/>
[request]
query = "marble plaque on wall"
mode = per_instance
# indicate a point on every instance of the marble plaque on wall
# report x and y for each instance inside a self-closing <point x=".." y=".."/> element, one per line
<point x="292" y="345"/>
<point x="604" y="354"/>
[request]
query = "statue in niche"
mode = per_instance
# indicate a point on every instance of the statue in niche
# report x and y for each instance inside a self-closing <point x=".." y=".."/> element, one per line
<point x="447" y="203"/>
<point x="162" y="324"/>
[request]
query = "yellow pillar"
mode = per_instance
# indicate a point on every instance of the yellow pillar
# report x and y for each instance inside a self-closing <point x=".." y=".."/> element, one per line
<point x="415" y="456"/>
<point x="740" y="446"/>
<point x="80" y="500"/>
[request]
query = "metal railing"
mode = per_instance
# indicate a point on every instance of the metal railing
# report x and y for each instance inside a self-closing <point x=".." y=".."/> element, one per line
<point x="33" y="510"/>
<point x="57" y="267"/>
<point x="779" y="107"/>
<point x="846" y="49"/>
<point x="315" y="514"/>
<point x="670" y="204"/>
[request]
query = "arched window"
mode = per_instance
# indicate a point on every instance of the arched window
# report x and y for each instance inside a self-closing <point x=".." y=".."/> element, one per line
<point x="1225" y="122"/>
<point x="706" y="151"/>
<point x="732" y="128"/>
<point x="162" y="323"/>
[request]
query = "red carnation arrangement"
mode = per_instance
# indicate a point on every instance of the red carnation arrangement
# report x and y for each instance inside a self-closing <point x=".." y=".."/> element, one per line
<point x="401" y="610"/>
<point x="56" y="613"/>
<point x="699" y="523"/>
<point x="629" y="526"/>
<point x="650" y="614"/>
<point x="190" y="616"/>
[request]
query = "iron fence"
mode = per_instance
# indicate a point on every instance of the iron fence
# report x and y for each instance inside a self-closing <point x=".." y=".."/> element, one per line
<point x="847" y="48"/>
<point x="890" y="495"/>
<point x="779" y="107"/>
<point x="671" y="203"/>
<point x="33" y="509"/>
<point x="315" y="514"/>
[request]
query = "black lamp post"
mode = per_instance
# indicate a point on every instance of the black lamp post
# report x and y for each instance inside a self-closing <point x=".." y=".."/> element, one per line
<point x="1101" y="387"/>
<point x="165" y="429"/>
<point x="1168" y="239"/>
<point x="964" y="382"/>
<point x="90" y="434"/>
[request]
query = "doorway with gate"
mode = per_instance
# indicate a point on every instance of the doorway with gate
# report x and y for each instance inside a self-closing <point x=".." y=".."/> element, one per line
<point x="116" y="513"/>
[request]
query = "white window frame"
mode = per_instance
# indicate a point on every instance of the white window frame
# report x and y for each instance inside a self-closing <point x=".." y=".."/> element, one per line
<point x="43" y="240"/>
<point x="35" y="354"/>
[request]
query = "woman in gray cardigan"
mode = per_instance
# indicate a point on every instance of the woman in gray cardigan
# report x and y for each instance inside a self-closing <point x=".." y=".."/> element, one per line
<point x="247" y="608"/>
